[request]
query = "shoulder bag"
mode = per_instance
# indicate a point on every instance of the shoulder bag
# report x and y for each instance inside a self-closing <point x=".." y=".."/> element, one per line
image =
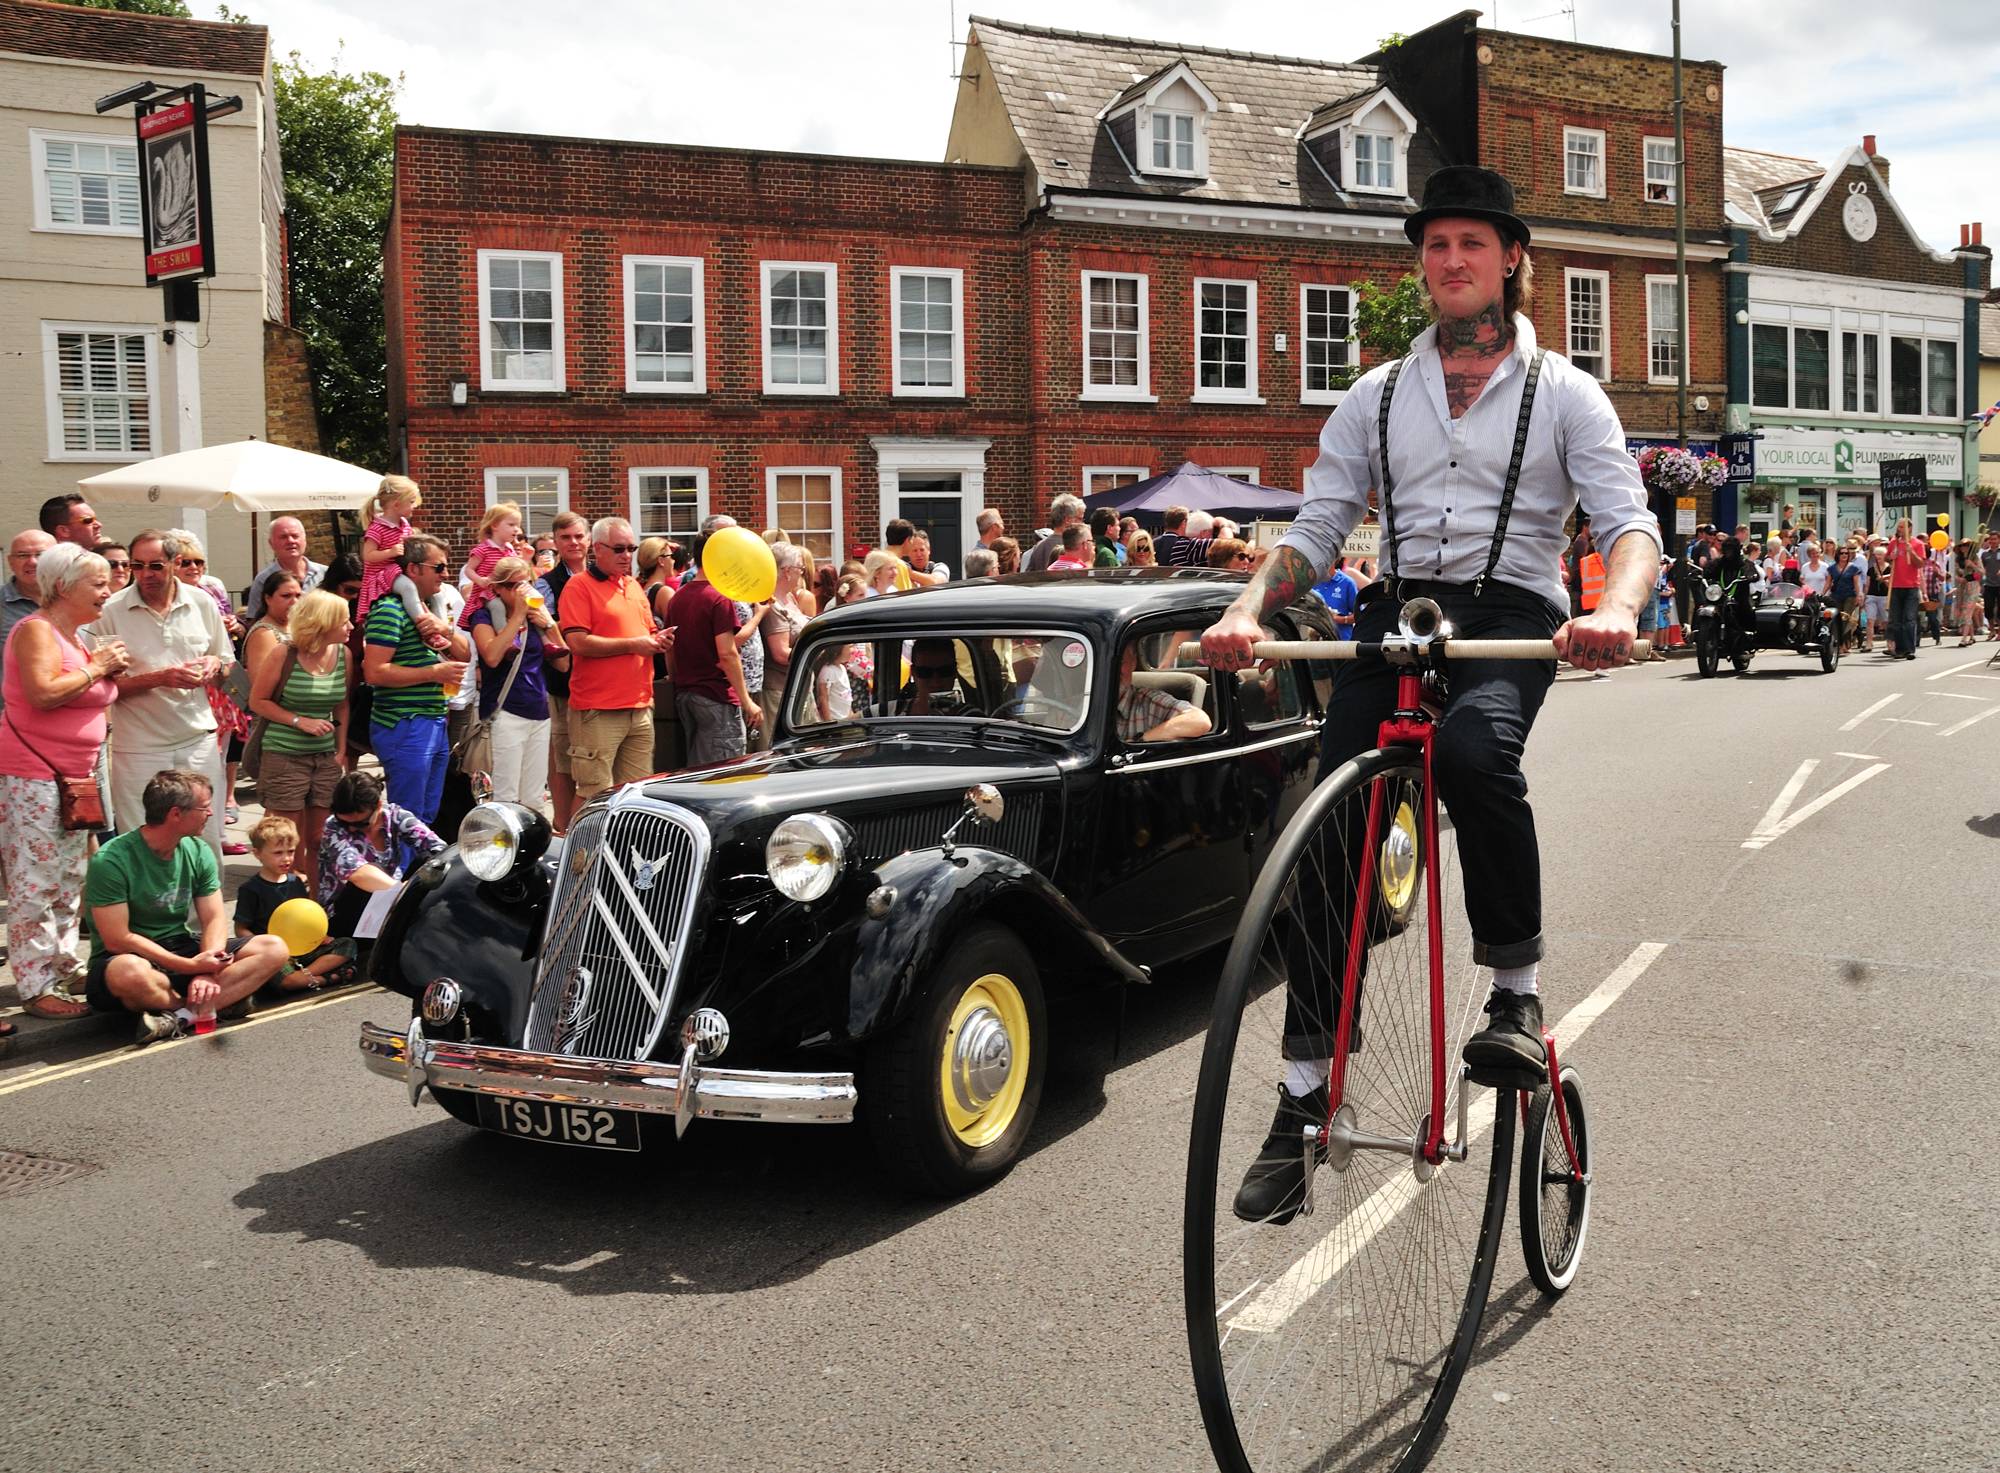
<point x="474" y="752"/>
<point x="79" y="800"/>
<point x="253" y="748"/>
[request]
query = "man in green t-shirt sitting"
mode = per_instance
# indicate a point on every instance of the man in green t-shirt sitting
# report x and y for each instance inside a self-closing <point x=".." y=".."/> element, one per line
<point x="144" y="957"/>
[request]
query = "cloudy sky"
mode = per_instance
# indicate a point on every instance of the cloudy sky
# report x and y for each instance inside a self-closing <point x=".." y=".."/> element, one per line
<point x="1806" y="77"/>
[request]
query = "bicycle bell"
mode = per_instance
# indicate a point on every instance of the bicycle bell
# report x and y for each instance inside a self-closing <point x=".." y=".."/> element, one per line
<point x="1421" y="620"/>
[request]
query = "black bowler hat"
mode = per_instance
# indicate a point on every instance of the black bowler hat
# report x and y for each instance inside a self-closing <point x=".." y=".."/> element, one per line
<point x="1465" y="191"/>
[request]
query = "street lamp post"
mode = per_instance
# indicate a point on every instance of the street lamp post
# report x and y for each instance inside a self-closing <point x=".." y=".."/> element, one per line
<point x="1680" y="237"/>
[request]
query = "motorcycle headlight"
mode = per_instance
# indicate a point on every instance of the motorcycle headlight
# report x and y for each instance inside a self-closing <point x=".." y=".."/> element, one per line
<point x="496" y="839"/>
<point x="805" y="853"/>
<point x="1712" y="592"/>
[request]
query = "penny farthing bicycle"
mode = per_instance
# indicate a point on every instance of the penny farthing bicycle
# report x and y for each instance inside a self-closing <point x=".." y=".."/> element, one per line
<point x="1333" y="1333"/>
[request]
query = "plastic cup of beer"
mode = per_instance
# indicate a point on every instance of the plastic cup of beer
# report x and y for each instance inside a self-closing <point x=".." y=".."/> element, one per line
<point x="535" y="599"/>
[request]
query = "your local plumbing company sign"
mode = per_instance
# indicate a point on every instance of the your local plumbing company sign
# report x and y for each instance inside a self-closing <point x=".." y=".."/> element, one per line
<point x="1815" y="456"/>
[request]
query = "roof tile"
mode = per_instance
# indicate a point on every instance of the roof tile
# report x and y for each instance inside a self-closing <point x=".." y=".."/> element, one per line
<point x="29" y="27"/>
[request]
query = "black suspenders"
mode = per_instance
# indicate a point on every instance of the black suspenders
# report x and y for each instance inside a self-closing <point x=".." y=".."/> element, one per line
<point x="1506" y="491"/>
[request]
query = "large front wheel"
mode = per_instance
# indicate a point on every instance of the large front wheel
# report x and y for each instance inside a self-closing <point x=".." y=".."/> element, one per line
<point x="1337" y="1336"/>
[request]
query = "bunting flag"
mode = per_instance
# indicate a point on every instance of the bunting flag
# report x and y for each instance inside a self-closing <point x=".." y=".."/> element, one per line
<point x="1986" y="416"/>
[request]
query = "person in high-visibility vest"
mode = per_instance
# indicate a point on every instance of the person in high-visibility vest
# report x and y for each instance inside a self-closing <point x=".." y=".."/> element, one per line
<point x="1592" y="568"/>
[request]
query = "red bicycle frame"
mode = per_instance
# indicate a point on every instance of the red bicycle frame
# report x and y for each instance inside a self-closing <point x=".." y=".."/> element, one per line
<point x="1413" y="726"/>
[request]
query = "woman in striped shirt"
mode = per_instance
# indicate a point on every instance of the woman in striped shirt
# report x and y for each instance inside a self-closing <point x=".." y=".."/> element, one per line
<point x="300" y="685"/>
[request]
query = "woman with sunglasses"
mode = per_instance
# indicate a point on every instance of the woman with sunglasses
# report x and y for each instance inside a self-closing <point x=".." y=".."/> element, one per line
<point x="369" y="846"/>
<point x="520" y="646"/>
<point x="1230" y="553"/>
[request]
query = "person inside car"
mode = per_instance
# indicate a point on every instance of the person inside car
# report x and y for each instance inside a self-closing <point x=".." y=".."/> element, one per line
<point x="1149" y="713"/>
<point x="934" y="688"/>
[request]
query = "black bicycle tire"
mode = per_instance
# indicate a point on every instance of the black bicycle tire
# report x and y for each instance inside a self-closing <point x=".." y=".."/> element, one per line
<point x="1205" y="1147"/>
<point x="1554" y="1280"/>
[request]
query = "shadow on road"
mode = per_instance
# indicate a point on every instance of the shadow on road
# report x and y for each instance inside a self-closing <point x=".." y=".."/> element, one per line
<point x="1987" y="827"/>
<point x="730" y="1208"/>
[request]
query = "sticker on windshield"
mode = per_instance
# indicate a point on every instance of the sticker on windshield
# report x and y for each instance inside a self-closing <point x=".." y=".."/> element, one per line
<point x="1072" y="655"/>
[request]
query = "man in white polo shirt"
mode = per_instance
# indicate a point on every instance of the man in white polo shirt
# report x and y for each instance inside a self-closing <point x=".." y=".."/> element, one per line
<point x="161" y="721"/>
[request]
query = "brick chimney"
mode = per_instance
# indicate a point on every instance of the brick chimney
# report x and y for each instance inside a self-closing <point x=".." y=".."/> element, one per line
<point x="1881" y="164"/>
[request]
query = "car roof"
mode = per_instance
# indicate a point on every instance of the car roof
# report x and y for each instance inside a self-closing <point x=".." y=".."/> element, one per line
<point x="1105" y="598"/>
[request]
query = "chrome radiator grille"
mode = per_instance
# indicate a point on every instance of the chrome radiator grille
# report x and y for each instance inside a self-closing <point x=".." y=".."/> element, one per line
<point x="618" y="928"/>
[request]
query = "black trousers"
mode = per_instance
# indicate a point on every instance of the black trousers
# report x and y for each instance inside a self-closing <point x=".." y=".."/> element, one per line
<point x="1490" y="706"/>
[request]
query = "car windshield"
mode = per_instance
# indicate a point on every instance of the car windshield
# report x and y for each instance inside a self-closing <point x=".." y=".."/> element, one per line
<point x="1039" y="680"/>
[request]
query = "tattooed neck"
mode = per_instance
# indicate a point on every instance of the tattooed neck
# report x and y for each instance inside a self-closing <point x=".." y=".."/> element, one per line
<point x="1488" y="333"/>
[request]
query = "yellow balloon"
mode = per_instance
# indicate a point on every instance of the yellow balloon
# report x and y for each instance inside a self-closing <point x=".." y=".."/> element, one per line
<point x="1944" y="519"/>
<point x="739" y="563"/>
<point x="300" y="924"/>
<point x="1940" y="541"/>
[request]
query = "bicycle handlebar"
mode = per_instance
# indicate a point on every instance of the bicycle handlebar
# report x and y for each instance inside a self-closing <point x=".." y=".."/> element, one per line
<point x="1454" y="649"/>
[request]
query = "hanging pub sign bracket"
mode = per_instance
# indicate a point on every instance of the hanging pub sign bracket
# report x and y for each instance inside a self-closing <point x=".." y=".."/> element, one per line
<point x="176" y="213"/>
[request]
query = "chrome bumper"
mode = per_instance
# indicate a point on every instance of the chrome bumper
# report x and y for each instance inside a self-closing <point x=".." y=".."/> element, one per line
<point x="684" y="1091"/>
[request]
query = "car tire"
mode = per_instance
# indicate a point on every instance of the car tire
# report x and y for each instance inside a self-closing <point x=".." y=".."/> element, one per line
<point x="944" y="1141"/>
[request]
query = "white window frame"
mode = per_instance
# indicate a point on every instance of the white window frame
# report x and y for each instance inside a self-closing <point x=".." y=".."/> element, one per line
<point x="1325" y="396"/>
<point x="633" y="383"/>
<point x="1137" y="472"/>
<point x="764" y="272"/>
<point x="45" y="220"/>
<point x="1603" y="280"/>
<point x="771" y="474"/>
<point x="1580" y="133"/>
<point x="1646" y="162"/>
<point x="487" y="382"/>
<point x="1248" y="393"/>
<point x="1860" y="326"/>
<point x="493" y="496"/>
<point x="700" y="474"/>
<point x="1196" y="144"/>
<point x="52" y="383"/>
<point x="1651" y="377"/>
<point x="1142" y="392"/>
<point x="956" y="388"/>
<point x="1249" y="474"/>
<point x="1391" y="142"/>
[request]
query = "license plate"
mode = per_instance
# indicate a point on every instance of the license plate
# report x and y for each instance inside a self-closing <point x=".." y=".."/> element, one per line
<point x="563" y="1125"/>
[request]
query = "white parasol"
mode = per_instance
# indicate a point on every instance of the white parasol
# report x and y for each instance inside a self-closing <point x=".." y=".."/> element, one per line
<point x="240" y="475"/>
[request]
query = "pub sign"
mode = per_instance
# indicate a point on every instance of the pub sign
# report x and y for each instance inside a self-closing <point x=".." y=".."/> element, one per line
<point x="174" y="206"/>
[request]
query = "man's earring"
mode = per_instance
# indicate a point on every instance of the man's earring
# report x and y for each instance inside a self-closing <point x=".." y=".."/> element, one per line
<point x="1510" y="271"/>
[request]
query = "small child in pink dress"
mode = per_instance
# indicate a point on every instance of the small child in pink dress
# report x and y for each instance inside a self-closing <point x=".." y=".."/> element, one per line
<point x="499" y="531"/>
<point x="388" y="512"/>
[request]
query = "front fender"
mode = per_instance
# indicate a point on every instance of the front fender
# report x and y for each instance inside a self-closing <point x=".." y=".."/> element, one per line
<point x="937" y="898"/>
<point x="449" y="923"/>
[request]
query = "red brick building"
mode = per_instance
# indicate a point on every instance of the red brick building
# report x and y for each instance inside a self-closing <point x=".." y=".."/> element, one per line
<point x="1139" y="253"/>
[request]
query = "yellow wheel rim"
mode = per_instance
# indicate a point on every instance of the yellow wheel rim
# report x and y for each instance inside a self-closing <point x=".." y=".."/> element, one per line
<point x="983" y="1062"/>
<point x="1399" y="866"/>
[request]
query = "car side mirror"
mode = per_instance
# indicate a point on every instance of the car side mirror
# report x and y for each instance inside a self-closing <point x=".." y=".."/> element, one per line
<point x="985" y="802"/>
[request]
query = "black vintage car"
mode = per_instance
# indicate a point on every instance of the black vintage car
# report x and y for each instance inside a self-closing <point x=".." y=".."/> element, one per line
<point x="978" y="795"/>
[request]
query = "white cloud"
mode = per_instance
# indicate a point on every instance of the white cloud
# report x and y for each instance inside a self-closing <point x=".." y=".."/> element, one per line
<point x="873" y="76"/>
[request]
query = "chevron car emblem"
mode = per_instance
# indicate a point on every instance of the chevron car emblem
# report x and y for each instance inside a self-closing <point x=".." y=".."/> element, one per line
<point x="572" y="1017"/>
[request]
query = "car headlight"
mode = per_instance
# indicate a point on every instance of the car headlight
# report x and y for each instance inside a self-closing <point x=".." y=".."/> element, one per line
<point x="496" y="839"/>
<point x="804" y="855"/>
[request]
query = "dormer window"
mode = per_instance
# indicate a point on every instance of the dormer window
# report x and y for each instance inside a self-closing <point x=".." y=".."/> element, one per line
<point x="1159" y="124"/>
<point x="1362" y="142"/>
<point x="1173" y="143"/>
<point x="1374" y="161"/>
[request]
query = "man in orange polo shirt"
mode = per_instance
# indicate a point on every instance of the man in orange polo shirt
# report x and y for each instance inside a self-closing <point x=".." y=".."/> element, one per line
<point x="609" y="625"/>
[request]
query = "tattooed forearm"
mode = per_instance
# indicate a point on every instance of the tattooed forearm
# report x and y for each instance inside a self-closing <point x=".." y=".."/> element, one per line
<point x="1485" y="334"/>
<point x="1284" y="578"/>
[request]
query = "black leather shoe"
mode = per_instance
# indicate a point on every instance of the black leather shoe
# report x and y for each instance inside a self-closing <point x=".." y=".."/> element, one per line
<point x="1275" y="1184"/>
<point x="1507" y="1053"/>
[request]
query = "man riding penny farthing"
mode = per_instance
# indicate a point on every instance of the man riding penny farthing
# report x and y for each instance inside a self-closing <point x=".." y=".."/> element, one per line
<point x="1479" y="444"/>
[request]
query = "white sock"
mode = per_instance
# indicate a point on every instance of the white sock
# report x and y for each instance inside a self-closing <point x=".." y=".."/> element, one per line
<point x="1303" y="1076"/>
<point x="1518" y="979"/>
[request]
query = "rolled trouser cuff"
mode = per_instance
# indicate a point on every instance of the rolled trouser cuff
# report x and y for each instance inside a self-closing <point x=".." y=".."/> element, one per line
<point x="1508" y="954"/>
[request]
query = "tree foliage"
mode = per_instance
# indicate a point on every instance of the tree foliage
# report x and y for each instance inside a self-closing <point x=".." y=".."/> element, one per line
<point x="175" y="8"/>
<point x="337" y="132"/>
<point x="1387" y="320"/>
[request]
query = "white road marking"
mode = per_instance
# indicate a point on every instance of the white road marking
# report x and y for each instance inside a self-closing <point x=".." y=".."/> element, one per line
<point x="1959" y="695"/>
<point x="1293" y="1289"/>
<point x="1972" y="720"/>
<point x="1908" y="721"/>
<point x="1774" y="815"/>
<point x="1793" y="820"/>
<point x="1849" y="726"/>
<point x="1968" y="665"/>
<point x="1862" y="756"/>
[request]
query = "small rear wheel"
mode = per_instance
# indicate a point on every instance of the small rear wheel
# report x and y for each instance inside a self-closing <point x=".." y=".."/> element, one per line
<point x="1555" y="1187"/>
<point x="950" y="1093"/>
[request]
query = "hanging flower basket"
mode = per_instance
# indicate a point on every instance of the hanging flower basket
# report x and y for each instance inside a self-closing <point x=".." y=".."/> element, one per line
<point x="1759" y="498"/>
<point x="1985" y="498"/>
<point x="1668" y="470"/>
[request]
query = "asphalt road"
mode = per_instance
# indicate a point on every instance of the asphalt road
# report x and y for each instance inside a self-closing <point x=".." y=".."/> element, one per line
<point x="274" y="1263"/>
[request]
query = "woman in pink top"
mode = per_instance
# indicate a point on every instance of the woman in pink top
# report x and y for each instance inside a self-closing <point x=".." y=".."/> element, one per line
<point x="56" y="692"/>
